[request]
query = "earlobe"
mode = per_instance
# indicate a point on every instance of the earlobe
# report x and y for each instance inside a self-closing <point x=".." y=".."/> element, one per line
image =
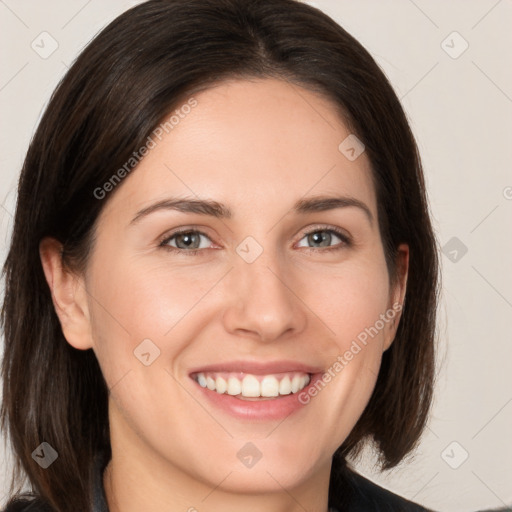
<point x="68" y="295"/>
<point x="397" y="297"/>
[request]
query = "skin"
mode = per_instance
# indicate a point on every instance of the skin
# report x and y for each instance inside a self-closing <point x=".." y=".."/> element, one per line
<point x="258" y="147"/>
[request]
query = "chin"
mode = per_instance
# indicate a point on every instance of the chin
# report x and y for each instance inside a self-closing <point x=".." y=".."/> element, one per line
<point x="264" y="479"/>
<point x="271" y="472"/>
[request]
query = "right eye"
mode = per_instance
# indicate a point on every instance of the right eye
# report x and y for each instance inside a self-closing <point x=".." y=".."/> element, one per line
<point x="185" y="240"/>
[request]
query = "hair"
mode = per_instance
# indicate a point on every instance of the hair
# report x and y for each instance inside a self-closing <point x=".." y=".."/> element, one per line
<point x="130" y="76"/>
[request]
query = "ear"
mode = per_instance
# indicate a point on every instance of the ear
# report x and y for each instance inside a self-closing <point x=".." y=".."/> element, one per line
<point x="397" y="295"/>
<point x="68" y="294"/>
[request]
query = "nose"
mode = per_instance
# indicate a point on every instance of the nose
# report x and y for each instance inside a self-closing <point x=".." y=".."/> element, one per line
<point x="262" y="302"/>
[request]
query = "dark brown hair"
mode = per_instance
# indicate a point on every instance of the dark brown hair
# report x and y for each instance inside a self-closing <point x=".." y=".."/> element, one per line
<point x="131" y="75"/>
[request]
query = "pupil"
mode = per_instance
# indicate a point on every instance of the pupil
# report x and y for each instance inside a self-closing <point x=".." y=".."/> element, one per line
<point x="321" y="237"/>
<point x="187" y="239"/>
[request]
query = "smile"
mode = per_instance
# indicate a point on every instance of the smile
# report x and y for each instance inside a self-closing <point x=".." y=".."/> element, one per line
<point x="246" y="385"/>
<point x="254" y="391"/>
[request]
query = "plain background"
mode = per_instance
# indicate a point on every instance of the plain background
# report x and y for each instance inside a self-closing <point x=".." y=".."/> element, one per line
<point x="459" y="101"/>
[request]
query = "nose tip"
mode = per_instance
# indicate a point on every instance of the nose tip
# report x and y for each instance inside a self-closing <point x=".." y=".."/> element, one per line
<point x="262" y="303"/>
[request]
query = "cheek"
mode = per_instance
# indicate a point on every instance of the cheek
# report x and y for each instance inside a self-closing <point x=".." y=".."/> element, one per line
<point x="132" y="303"/>
<point x="353" y="304"/>
<point x="352" y="298"/>
<point x="361" y="332"/>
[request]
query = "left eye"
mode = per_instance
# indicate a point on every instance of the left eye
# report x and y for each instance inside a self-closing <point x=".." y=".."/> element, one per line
<point x="323" y="238"/>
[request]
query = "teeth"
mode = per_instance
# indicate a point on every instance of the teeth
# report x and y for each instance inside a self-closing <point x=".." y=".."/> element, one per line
<point x="295" y="383"/>
<point x="285" y="386"/>
<point x="221" y="385"/>
<point x="269" y="386"/>
<point x="201" y="379"/>
<point x="210" y="383"/>
<point x="252" y="386"/>
<point x="234" y="386"/>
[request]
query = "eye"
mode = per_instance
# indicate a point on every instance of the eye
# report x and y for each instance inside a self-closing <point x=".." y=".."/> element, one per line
<point x="191" y="241"/>
<point x="187" y="240"/>
<point x="324" y="238"/>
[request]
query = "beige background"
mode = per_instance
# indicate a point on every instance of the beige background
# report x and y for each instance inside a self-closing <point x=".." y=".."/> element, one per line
<point x="460" y="104"/>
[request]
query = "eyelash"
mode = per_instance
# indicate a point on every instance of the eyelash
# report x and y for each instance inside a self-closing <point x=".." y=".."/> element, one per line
<point x="346" y="241"/>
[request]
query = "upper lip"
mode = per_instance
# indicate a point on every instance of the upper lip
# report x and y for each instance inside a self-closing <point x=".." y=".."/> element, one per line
<point x="258" y="367"/>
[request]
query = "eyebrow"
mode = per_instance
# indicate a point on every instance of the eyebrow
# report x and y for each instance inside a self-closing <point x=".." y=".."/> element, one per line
<point x="221" y="211"/>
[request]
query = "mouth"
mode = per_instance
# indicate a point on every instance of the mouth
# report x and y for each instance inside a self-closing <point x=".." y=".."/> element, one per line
<point x="255" y="391"/>
<point x="247" y="386"/>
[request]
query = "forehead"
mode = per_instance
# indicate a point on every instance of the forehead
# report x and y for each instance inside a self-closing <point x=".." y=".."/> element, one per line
<point x="250" y="143"/>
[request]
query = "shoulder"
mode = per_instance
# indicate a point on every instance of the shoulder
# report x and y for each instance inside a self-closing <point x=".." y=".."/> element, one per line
<point x="367" y="496"/>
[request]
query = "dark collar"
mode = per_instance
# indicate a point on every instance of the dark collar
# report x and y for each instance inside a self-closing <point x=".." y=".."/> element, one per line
<point x="99" y="500"/>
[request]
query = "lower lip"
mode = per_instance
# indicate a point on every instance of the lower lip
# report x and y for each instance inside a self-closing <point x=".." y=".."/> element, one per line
<point x="263" y="409"/>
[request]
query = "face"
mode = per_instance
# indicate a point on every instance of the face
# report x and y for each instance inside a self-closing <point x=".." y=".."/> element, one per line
<point x="242" y="336"/>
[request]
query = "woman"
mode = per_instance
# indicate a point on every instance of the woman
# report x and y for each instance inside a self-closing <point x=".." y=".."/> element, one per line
<point x="223" y="274"/>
